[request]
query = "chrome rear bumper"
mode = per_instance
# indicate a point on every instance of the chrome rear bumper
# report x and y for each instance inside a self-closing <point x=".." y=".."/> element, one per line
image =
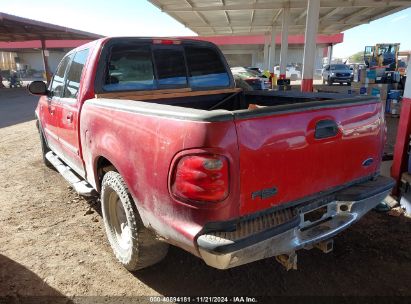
<point x="339" y="215"/>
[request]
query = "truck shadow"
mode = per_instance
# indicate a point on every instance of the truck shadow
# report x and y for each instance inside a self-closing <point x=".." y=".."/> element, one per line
<point x="20" y="285"/>
<point x="363" y="263"/>
<point x="16" y="106"/>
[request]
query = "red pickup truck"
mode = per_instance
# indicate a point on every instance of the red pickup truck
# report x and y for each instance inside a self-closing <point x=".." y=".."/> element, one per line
<point x="181" y="156"/>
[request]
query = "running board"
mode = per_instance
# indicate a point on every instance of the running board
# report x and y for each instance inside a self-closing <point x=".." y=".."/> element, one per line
<point x="78" y="184"/>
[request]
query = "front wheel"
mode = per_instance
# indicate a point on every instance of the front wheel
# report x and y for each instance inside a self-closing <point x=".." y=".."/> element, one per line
<point x="329" y="81"/>
<point x="44" y="148"/>
<point x="134" y="245"/>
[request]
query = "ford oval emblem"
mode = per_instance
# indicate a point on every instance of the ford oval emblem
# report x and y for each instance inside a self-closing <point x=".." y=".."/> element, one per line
<point x="367" y="162"/>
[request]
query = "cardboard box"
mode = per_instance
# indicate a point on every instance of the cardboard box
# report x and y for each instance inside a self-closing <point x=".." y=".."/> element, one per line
<point x="356" y="85"/>
<point x="379" y="89"/>
<point x="362" y="75"/>
<point x="371" y="76"/>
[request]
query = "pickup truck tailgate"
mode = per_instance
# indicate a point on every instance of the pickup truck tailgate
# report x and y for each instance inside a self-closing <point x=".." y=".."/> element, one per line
<point x="286" y="155"/>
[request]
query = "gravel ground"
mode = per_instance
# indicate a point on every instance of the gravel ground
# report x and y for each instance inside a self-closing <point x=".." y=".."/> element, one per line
<point x="52" y="242"/>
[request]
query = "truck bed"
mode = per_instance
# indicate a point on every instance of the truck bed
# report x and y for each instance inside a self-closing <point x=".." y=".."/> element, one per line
<point x="237" y="100"/>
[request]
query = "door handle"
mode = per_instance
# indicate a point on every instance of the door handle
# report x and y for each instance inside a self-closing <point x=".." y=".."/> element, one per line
<point x="69" y="117"/>
<point x="325" y="128"/>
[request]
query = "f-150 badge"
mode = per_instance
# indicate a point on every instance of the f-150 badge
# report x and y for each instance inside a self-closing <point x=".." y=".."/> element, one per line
<point x="264" y="193"/>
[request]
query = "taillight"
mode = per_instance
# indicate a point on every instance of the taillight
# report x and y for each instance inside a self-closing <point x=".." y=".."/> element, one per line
<point x="202" y="177"/>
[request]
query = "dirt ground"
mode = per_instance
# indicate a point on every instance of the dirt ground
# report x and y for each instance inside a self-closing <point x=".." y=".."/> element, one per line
<point x="52" y="242"/>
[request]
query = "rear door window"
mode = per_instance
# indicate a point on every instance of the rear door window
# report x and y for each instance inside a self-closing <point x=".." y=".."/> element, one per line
<point x="170" y="67"/>
<point x="206" y="69"/>
<point x="74" y="74"/>
<point x="130" y="68"/>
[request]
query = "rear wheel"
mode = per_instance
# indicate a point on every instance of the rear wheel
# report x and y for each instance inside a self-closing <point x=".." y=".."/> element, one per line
<point x="134" y="245"/>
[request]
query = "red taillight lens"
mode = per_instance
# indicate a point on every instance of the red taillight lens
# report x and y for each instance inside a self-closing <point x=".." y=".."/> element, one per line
<point x="201" y="178"/>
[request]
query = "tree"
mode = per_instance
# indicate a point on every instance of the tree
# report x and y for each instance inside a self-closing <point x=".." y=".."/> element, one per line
<point x="357" y="57"/>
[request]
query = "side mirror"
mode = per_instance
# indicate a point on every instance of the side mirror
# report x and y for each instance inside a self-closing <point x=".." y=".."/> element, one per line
<point x="37" y="88"/>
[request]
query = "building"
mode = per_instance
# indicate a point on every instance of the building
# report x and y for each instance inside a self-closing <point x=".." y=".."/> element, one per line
<point x="249" y="50"/>
<point x="26" y="57"/>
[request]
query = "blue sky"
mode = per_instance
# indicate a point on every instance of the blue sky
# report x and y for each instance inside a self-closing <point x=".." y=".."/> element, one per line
<point x="389" y="29"/>
<point x="140" y="18"/>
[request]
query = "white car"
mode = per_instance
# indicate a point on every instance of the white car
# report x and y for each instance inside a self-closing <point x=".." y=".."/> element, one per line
<point x="291" y="72"/>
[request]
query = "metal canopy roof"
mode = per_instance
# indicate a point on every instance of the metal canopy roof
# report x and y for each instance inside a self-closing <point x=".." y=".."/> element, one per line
<point x="13" y="28"/>
<point x="242" y="17"/>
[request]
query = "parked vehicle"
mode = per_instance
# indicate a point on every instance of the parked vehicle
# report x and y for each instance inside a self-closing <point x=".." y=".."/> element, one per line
<point x="15" y="81"/>
<point x="251" y="77"/>
<point x="180" y="156"/>
<point x="291" y="73"/>
<point x="257" y="70"/>
<point x="340" y="73"/>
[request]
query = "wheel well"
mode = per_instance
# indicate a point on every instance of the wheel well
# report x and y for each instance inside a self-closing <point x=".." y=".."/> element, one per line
<point x="103" y="166"/>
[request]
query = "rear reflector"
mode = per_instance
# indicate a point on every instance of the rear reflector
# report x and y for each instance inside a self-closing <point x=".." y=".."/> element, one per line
<point x="202" y="177"/>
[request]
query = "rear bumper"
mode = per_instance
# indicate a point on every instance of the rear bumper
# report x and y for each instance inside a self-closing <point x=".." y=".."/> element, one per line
<point x="346" y="207"/>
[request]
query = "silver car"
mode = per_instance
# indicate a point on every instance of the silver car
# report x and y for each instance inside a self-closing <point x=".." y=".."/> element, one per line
<point x="340" y="73"/>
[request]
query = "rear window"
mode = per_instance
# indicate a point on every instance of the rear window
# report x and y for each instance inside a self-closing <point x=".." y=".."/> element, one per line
<point x="130" y="69"/>
<point x="171" y="67"/>
<point x="149" y="67"/>
<point x="205" y="68"/>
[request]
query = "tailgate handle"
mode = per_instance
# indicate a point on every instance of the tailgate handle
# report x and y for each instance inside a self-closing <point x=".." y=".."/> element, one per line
<point x="325" y="128"/>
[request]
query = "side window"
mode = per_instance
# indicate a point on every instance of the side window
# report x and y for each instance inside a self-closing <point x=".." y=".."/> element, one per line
<point x="129" y="68"/>
<point x="74" y="74"/>
<point x="57" y="85"/>
<point x="170" y="67"/>
<point x="206" y="68"/>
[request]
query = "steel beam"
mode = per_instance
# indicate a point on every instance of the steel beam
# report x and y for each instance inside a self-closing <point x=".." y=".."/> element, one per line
<point x="284" y="42"/>
<point x="266" y="53"/>
<point x="272" y="50"/>
<point x="290" y="4"/>
<point x="313" y="12"/>
<point x="45" y="61"/>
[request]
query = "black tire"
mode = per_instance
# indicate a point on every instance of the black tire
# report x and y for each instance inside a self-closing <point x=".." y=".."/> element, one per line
<point x="329" y="81"/>
<point x="349" y="84"/>
<point x="134" y="245"/>
<point x="44" y="149"/>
